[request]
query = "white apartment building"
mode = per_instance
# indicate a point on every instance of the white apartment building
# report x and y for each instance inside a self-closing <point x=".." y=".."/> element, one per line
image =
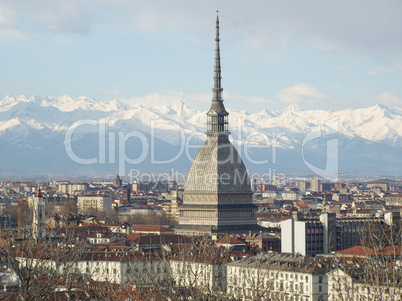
<point x="302" y="237"/>
<point x="90" y="203"/>
<point x="277" y="277"/>
<point x="352" y="284"/>
<point x="70" y="188"/>
<point x="207" y="275"/>
<point x="315" y="185"/>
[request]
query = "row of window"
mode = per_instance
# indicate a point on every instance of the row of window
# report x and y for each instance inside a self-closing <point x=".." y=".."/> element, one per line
<point x="250" y="293"/>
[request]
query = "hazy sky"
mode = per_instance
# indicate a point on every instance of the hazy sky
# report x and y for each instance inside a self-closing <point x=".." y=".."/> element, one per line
<point x="318" y="54"/>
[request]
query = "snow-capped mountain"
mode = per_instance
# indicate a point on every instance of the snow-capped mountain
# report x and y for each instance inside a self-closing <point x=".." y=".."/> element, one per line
<point x="35" y="136"/>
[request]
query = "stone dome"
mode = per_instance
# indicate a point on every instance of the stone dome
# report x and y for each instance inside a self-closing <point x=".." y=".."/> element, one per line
<point x="217" y="168"/>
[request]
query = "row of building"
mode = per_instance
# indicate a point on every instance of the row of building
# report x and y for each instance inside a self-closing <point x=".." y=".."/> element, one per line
<point x="206" y="271"/>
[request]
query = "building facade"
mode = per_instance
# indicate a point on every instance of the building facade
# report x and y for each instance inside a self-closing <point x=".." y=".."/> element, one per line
<point x="93" y="203"/>
<point x="71" y="188"/>
<point x="302" y="237"/>
<point x="315" y="185"/>
<point x="277" y="277"/>
<point x="329" y="233"/>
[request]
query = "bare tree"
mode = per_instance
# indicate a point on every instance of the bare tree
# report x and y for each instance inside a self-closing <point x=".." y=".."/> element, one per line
<point x="374" y="273"/>
<point x="63" y="208"/>
<point x="151" y="218"/>
<point x="40" y="264"/>
<point x="179" y="271"/>
<point x="41" y="260"/>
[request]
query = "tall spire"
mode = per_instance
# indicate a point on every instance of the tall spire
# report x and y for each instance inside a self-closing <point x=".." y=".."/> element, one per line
<point x="39" y="193"/>
<point x="217" y="89"/>
<point x="217" y="117"/>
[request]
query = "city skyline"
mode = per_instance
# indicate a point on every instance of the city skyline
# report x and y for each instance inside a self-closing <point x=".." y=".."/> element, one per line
<point x="323" y="56"/>
<point x="277" y="192"/>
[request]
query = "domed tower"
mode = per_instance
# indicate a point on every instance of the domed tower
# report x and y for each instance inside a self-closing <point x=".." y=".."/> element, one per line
<point x="217" y="197"/>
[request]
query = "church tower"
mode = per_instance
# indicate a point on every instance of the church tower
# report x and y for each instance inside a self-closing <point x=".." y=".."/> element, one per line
<point x="37" y="205"/>
<point x="217" y="197"/>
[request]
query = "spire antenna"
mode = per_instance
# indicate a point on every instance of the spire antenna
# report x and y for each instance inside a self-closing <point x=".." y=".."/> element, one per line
<point x="217" y="89"/>
<point x="217" y="116"/>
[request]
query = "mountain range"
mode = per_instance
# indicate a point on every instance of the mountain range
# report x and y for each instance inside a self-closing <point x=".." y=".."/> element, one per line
<point x="43" y="135"/>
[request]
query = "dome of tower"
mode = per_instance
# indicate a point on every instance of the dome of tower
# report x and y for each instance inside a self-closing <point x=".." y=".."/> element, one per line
<point x="217" y="168"/>
<point x="39" y="193"/>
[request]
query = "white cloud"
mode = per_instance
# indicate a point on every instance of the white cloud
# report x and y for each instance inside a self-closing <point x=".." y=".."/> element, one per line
<point x="260" y="22"/>
<point x="343" y="69"/>
<point x="301" y="93"/>
<point x="340" y="68"/>
<point x="388" y="98"/>
<point x="359" y="90"/>
<point x="361" y="26"/>
<point x="247" y="99"/>
<point x="8" y="21"/>
<point x="64" y="16"/>
<point x="7" y="16"/>
<point x="372" y="72"/>
<point x="395" y="68"/>
<point x="24" y="17"/>
<point x="113" y="91"/>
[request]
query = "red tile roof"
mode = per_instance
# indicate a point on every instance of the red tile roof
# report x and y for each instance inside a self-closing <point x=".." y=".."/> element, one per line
<point x="133" y="236"/>
<point x="367" y="251"/>
<point x="230" y="241"/>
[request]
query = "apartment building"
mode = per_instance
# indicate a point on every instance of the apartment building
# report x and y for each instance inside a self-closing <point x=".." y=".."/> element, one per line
<point x="277" y="277"/>
<point x="329" y="233"/>
<point x="354" y="283"/>
<point x="92" y="203"/>
<point x="70" y="188"/>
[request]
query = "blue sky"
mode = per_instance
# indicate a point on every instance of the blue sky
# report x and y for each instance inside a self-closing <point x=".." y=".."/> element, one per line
<point x="317" y="54"/>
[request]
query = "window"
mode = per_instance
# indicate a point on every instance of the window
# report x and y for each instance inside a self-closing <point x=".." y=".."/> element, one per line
<point x="306" y="278"/>
<point x="320" y="288"/>
<point x="320" y="279"/>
